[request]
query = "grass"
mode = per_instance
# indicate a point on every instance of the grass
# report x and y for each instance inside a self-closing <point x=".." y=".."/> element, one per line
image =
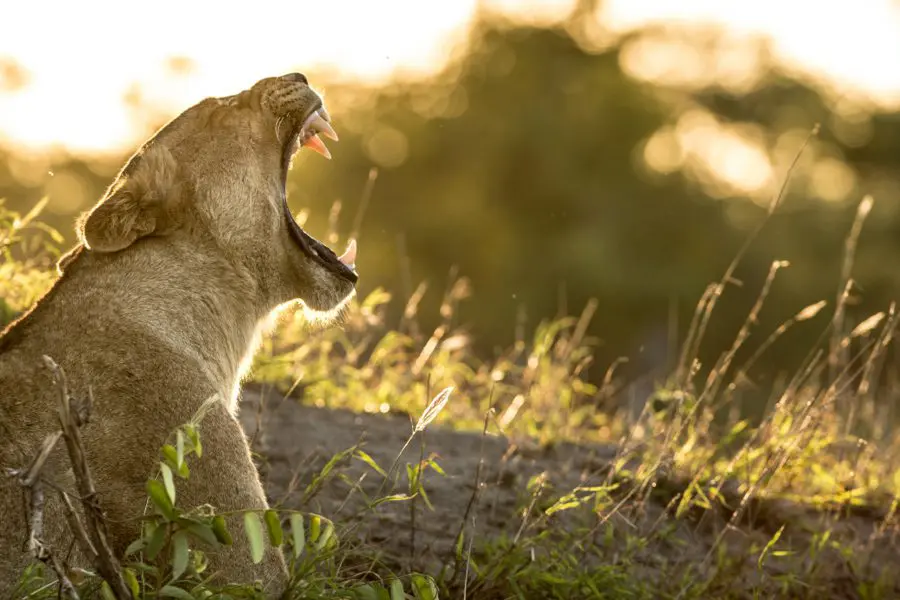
<point x="697" y="501"/>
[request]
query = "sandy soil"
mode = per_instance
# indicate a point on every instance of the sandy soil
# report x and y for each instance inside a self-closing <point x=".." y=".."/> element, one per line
<point x="294" y="443"/>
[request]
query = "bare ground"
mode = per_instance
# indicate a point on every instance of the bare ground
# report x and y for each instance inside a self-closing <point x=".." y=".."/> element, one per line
<point x="294" y="442"/>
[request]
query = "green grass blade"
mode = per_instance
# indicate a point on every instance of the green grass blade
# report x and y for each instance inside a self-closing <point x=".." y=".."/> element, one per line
<point x="253" y="528"/>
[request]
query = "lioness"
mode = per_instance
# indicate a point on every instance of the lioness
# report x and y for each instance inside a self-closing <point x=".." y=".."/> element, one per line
<point x="157" y="309"/>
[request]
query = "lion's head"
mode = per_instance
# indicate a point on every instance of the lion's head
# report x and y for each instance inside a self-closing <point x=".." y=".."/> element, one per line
<point x="214" y="178"/>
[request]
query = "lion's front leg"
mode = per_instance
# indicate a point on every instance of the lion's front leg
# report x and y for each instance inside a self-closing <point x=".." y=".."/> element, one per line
<point x="226" y="478"/>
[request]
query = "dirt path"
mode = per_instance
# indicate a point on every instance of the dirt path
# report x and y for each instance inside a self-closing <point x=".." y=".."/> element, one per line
<point x="295" y="442"/>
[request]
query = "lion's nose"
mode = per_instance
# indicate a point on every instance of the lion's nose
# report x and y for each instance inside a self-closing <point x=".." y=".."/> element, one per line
<point x="296" y="77"/>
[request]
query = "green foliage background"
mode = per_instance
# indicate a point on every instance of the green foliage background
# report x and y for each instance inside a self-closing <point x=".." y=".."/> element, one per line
<point x="520" y="167"/>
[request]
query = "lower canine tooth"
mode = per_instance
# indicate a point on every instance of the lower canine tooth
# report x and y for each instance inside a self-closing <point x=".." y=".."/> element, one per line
<point x="349" y="255"/>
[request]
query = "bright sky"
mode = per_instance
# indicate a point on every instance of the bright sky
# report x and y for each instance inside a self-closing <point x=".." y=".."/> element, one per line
<point x="83" y="57"/>
<point x="848" y="41"/>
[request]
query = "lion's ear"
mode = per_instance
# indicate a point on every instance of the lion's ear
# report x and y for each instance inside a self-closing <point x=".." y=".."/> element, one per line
<point x="117" y="221"/>
<point x="138" y="205"/>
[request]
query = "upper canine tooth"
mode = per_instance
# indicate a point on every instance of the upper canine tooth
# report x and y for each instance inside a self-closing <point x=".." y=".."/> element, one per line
<point x="323" y="126"/>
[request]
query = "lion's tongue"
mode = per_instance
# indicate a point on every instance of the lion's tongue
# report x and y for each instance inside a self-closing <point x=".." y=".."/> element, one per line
<point x="315" y="143"/>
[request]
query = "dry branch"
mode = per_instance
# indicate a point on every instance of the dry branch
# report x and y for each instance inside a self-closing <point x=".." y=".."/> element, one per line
<point x="31" y="481"/>
<point x="70" y="421"/>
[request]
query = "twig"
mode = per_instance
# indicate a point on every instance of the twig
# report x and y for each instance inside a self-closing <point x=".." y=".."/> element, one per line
<point x="71" y="420"/>
<point x="30" y="479"/>
<point x="77" y="528"/>
<point x="34" y="470"/>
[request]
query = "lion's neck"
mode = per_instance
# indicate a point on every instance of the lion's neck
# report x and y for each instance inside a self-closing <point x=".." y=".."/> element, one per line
<point x="196" y="304"/>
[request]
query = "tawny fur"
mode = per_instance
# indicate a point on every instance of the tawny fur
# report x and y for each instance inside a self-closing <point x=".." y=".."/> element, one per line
<point x="156" y="310"/>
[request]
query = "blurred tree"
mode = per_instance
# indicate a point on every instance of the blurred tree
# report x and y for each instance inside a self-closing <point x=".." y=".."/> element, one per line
<point x="527" y="163"/>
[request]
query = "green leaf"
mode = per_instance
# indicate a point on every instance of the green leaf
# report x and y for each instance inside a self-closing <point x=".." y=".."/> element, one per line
<point x="412" y="475"/>
<point x="204" y="532"/>
<point x="168" y="480"/>
<point x="135" y="547"/>
<point x="425" y="497"/>
<point x="220" y="531"/>
<point x="34" y="212"/>
<point x="769" y="545"/>
<point x="562" y="505"/>
<point x="253" y="527"/>
<point x="106" y="592"/>
<point x="370" y="591"/>
<point x="276" y="534"/>
<point x="364" y="592"/>
<point x="322" y="476"/>
<point x="363" y="456"/>
<point x="157" y="539"/>
<point x="149" y="570"/>
<point x="180" y="554"/>
<point x="325" y="536"/>
<point x="195" y="439"/>
<point x="397" y="592"/>
<point x="160" y="499"/>
<point x="171" y="455"/>
<point x="392" y="498"/>
<point x="131" y="580"/>
<point x="459" y="545"/>
<point x="199" y="563"/>
<point x="423" y="587"/>
<point x="57" y="236"/>
<point x="376" y="298"/>
<point x="436" y="467"/>
<point x="170" y="591"/>
<point x="179" y="448"/>
<point x="315" y="526"/>
<point x="298" y="534"/>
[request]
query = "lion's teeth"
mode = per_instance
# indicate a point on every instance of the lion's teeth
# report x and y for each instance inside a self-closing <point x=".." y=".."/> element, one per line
<point x="318" y="123"/>
<point x="315" y="143"/>
<point x="349" y="255"/>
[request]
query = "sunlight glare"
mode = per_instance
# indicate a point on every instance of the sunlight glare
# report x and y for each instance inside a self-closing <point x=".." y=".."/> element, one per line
<point x="82" y="63"/>
<point x="64" y="80"/>
<point x="727" y="159"/>
<point x="845" y="43"/>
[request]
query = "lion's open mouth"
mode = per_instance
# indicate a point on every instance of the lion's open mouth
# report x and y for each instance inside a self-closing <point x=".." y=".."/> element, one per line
<point x="307" y="135"/>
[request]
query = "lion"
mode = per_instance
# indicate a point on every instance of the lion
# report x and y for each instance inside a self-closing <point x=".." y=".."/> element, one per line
<point x="158" y="308"/>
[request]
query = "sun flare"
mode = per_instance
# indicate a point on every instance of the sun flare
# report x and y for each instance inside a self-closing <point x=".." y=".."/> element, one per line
<point x="81" y="82"/>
